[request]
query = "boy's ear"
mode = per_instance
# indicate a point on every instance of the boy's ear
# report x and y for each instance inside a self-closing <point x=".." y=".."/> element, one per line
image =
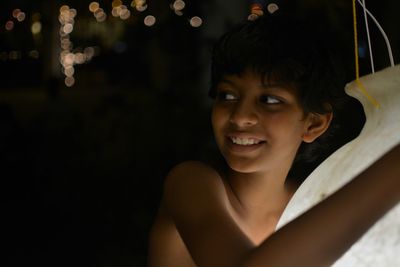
<point x="316" y="125"/>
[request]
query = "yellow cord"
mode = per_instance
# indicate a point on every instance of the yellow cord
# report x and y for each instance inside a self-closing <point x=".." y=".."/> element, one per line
<point x="358" y="82"/>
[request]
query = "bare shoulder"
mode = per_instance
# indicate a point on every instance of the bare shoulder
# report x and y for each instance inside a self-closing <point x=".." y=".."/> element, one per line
<point x="189" y="172"/>
<point x="192" y="169"/>
<point x="193" y="181"/>
<point x="191" y="190"/>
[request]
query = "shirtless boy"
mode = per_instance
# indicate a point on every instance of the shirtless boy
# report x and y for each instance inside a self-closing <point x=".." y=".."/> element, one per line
<point x="276" y="95"/>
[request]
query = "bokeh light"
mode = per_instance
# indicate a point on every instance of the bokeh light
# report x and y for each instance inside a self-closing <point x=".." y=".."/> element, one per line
<point x="69" y="81"/>
<point x="116" y="3"/>
<point x="9" y="25"/>
<point x="100" y="15"/>
<point x="140" y="5"/>
<point x="36" y="27"/>
<point x="34" y="54"/>
<point x="141" y="8"/>
<point x="14" y="55"/>
<point x="93" y="6"/>
<point x="196" y="21"/>
<point x="64" y="8"/>
<point x="68" y="28"/>
<point x="21" y="16"/>
<point x="125" y="14"/>
<point x="149" y="20"/>
<point x="272" y="8"/>
<point x="15" y="12"/>
<point x="178" y="5"/>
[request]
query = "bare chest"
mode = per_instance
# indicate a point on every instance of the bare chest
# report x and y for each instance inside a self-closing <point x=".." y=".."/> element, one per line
<point x="256" y="227"/>
<point x="178" y="253"/>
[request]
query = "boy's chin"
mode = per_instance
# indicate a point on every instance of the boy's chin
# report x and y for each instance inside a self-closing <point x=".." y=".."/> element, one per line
<point x="243" y="166"/>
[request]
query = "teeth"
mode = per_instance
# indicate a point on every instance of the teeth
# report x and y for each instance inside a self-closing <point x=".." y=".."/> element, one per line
<point x="244" y="141"/>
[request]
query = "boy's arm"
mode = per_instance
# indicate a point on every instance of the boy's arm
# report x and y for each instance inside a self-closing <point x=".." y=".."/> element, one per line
<point x="196" y="199"/>
<point x="322" y="234"/>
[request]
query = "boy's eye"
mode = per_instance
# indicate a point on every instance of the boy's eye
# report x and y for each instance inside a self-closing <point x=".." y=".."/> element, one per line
<point x="226" y="96"/>
<point x="268" y="99"/>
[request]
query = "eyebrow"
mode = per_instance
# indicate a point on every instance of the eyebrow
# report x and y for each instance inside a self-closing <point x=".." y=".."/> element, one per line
<point x="224" y="80"/>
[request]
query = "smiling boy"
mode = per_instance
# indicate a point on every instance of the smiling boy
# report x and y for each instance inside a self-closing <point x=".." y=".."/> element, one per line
<point x="276" y="93"/>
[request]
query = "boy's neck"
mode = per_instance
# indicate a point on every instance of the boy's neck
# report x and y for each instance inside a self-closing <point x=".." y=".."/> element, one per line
<point x="260" y="193"/>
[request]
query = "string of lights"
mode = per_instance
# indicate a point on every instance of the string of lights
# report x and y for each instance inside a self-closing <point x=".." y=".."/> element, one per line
<point x="68" y="56"/>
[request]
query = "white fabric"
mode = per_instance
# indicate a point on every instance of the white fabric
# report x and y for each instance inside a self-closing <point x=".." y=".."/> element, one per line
<point x="380" y="246"/>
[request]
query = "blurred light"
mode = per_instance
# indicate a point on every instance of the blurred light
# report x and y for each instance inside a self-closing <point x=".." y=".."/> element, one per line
<point x="64" y="16"/>
<point x="196" y="21"/>
<point x="80" y="58"/>
<point x="252" y="17"/>
<point x="101" y="17"/>
<point x="136" y="3"/>
<point x="256" y="9"/>
<point x="93" y="6"/>
<point x="36" y="27"/>
<point x="34" y="54"/>
<point x="69" y="59"/>
<point x="64" y="8"/>
<point x="272" y="8"/>
<point x="115" y="12"/>
<point x="125" y="14"/>
<point x="116" y="3"/>
<point x="89" y="52"/>
<point x="121" y="11"/>
<point x="141" y="8"/>
<point x="122" y="8"/>
<point x="62" y="33"/>
<point x="62" y="56"/>
<point x="149" y="20"/>
<point x="16" y="12"/>
<point x="178" y="12"/>
<point x="178" y="5"/>
<point x="14" y="55"/>
<point x="61" y="19"/>
<point x="69" y="71"/>
<point x="66" y="46"/>
<point x="68" y="28"/>
<point x="21" y="16"/>
<point x="65" y="40"/>
<point x="98" y="12"/>
<point x="69" y="81"/>
<point x="72" y="12"/>
<point x="9" y="25"/>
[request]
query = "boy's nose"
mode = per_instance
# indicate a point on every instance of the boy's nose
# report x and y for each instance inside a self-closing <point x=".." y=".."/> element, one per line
<point x="243" y="114"/>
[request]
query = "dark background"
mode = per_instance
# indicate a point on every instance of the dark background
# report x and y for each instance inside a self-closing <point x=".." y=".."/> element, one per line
<point x="82" y="166"/>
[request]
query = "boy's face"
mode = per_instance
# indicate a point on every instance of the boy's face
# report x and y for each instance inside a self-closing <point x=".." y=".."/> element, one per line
<point x="257" y="127"/>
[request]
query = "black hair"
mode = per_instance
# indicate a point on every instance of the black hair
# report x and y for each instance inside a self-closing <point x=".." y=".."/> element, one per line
<point x="300" y="53"/>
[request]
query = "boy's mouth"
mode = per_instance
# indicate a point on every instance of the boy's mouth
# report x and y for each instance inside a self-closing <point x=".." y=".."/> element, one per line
<point x="244" y="140"/>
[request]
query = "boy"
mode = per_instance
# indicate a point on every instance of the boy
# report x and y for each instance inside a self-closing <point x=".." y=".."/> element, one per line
<point x="276" y="99"/>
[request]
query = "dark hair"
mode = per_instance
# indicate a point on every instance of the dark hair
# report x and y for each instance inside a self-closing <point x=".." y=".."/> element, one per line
<point x="299" y="53"/>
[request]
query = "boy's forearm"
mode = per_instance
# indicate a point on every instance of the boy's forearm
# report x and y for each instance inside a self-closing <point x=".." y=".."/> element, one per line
<point x="322" y="235"/>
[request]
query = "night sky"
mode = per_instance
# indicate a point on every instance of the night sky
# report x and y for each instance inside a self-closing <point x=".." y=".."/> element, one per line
<point x="92" y="117"/>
